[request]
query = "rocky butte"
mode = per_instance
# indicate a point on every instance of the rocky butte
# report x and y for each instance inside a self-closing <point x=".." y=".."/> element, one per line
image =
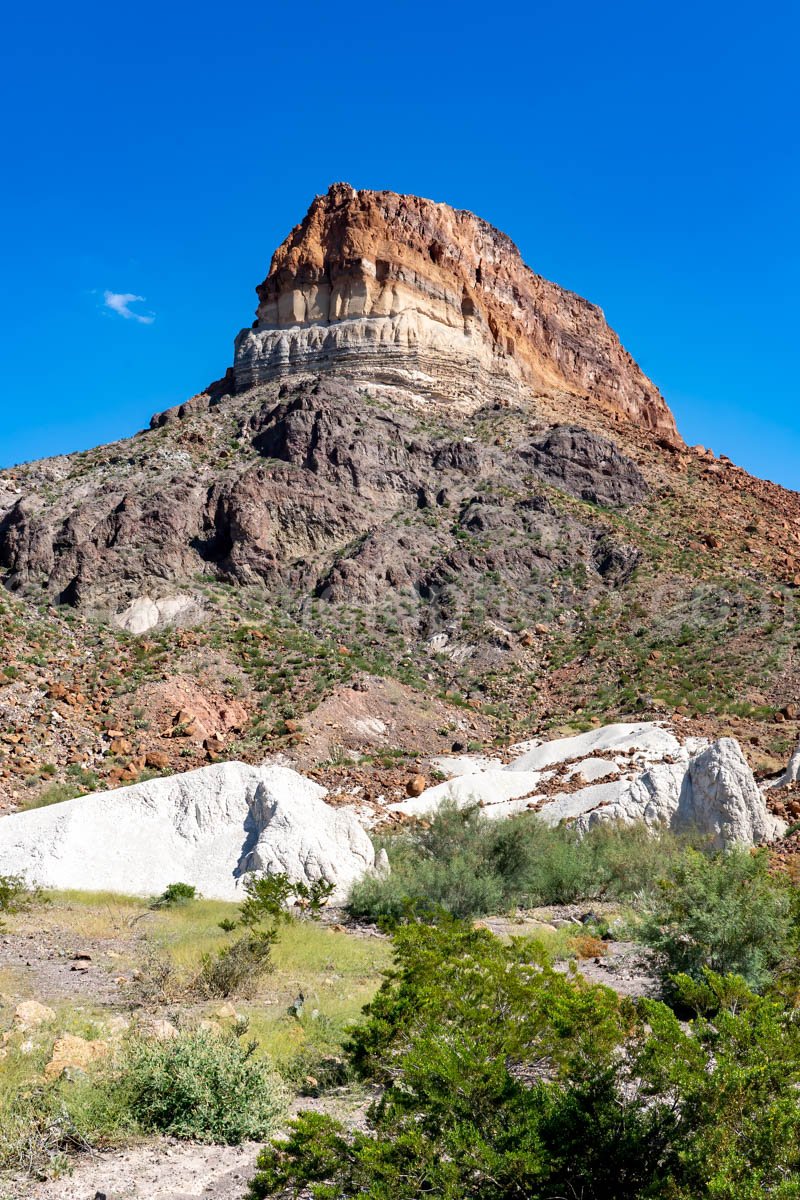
<point x="401" y="290"/>
<point x="374" y="302"/>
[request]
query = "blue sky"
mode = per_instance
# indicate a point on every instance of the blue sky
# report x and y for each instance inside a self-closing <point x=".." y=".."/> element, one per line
<point x="644" y="155"/>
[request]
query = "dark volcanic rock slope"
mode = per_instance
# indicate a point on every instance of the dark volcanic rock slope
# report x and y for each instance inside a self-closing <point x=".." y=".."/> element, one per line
<point x="322" y="489"/>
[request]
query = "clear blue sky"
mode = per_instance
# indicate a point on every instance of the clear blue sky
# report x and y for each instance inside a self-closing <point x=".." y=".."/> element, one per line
<point x="644" y="155"/>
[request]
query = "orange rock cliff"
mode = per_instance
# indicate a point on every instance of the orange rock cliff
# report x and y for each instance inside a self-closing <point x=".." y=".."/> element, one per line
<point x="409" y="291"/>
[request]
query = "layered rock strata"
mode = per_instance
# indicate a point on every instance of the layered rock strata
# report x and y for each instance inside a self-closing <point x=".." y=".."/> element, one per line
<point x="402" y="290"/>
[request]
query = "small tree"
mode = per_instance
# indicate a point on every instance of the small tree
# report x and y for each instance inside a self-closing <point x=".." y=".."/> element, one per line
<point x="238" y="968"/>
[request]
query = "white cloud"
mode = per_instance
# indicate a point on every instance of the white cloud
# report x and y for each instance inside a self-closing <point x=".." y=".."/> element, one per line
<point x="119" y="303"/>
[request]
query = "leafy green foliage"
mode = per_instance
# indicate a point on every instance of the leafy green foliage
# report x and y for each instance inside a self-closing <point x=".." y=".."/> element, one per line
<point x="15" y="895"/>
<point x="175" y="893"/>
<point x="470" y="866"/>
<point x="505" y="1080"/>
<point x="200" y="1085"/>
<point x="203" y="1086"/>
<point x="238" y="969"/>
<point x="722" y="912"/>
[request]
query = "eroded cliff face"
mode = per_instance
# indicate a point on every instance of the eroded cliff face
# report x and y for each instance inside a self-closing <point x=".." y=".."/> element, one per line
<point x="397" y="289"/>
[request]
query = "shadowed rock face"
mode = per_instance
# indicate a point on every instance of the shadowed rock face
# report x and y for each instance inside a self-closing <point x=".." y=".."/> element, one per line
<point x="319" y="500"/>
<point x="403" y="290"/>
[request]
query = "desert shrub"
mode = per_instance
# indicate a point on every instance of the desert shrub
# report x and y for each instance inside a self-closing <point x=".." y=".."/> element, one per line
<point x="505" y="1080"/>
<point x="175" y="894"/>
<point x="724" y="912"/>
<point x="16" y="895"/>
<point x="237" y="969"/>
<point x="158" y="980"/>
<point x="200" y="1085"/>
<point x="469" y="865"/>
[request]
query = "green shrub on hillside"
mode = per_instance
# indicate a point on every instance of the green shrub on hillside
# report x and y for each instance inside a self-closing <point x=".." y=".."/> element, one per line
<point x="505" y="1080"/>
<point x="722" y="912"/>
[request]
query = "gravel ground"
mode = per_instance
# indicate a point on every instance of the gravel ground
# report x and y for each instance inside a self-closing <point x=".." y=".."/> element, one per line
<point x="160" y="1170"/>
<point x="167" y="1169"/>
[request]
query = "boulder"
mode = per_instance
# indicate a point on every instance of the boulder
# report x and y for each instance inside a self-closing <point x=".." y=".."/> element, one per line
<point x="208" y="827"/>
<point x="30" y="1014"/>
<point x="74" y="1053"/>
<point x="144" y="613"/>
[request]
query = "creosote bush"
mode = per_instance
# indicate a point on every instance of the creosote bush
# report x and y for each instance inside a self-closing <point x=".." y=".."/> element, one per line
<point x="503" y="1079"/>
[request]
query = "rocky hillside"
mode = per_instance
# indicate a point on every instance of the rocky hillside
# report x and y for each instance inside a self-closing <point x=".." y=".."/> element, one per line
<point x="434" y="501"/>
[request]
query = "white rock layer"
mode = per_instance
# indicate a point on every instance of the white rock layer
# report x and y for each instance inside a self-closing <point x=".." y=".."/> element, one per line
<point x="792" y="772"/>
<point x="207" y="827"/>
<point x="143" y="613"/>
<point x="646" y="775"/>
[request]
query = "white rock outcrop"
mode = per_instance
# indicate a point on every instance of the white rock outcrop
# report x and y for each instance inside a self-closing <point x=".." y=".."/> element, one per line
<point x="631" y="772"/>
<point x="713" y="791"/>
<point x="792" y="772"/>
<point x="208" y="827"/>
<point x="144" y="614"/>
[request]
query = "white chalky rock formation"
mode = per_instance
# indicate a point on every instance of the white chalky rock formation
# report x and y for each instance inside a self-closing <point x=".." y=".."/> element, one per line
<point x="207" y="827"/>
<point x="144" y="614"/>
<point x="792" y="772"/>
<point x="625" y="772"/>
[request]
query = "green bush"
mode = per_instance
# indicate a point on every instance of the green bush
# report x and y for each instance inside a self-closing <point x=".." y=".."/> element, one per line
<point x="175" y="894"/>
<point x="198" y="1085"/>
<point x="724" y="912"/>
<point x="15" y="895"/>
<point x="238" y="969"/>
<point x="505" y="1080"/>
<point x="205" y="1086"/>
<point x="471" y="866"/>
